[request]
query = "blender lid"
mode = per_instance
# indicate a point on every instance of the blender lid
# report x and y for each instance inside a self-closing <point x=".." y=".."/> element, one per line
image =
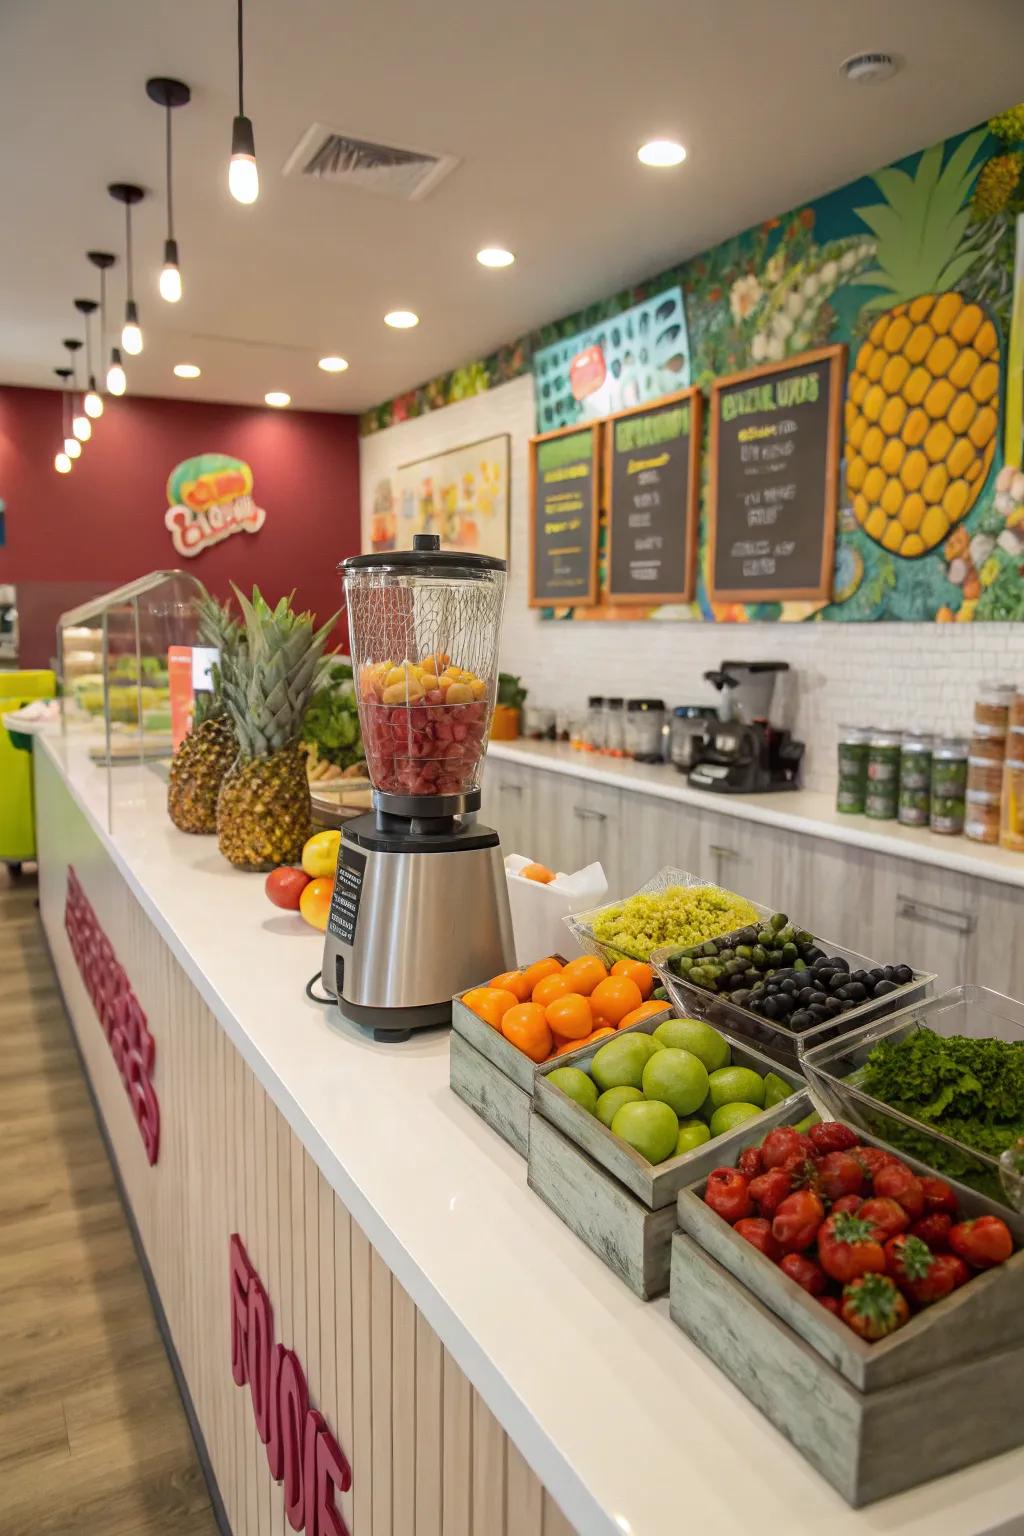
<point x="426" y="553"/>
<point x="756" y="666"/>
<point x="635" y="704"/>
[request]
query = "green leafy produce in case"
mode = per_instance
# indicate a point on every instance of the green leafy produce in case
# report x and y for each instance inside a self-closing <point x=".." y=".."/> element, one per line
<point x="971" y="1090"/>
<point x="332" y="717"/>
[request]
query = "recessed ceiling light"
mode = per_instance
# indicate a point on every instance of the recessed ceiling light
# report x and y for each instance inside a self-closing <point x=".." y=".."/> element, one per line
<point x="401" y="319"/>
<point x="278" y="398"/>
<point x="661" y="152"/>
<point x="333" y="364"/>
<point x="495" y="256"/>
<point x="186" y="371"/>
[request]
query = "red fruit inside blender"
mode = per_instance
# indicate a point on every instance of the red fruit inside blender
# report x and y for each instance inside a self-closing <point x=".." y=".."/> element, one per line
<point x="425" y="746"/>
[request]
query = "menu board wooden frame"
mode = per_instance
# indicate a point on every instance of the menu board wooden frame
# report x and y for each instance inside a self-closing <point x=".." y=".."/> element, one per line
<point x="691" y="511"/>
<point x="836" y="357"/>
<point x="588" y="600"/>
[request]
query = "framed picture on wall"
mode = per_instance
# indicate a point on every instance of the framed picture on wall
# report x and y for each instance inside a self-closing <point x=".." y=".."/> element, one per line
<point x="462" y="495"/>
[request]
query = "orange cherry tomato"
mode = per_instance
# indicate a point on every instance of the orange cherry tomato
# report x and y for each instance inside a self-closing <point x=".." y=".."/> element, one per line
<point x="490" y="1004"/>
<point x="538" y="872"/>
<point x="514" y="982"/>
<point x="570" y="1017"/>
<point x="638" y="971"/>
<point x="584" y="973"/>
<point x="538" y="970"/>
<point x="550" y="987"/>
<point x="615" y="997"/>
<point x="525" y="1027"/>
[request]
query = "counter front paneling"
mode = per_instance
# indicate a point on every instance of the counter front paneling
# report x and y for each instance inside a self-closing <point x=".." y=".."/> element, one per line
<point x="477" y="1368"/>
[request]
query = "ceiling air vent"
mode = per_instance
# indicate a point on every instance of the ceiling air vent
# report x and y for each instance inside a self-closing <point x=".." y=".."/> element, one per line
<point x="408" y="174"/>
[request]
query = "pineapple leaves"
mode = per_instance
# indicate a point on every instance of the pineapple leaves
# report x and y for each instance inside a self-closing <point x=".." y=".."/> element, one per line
<point x="276" y="673"/>
<point x="921" y="225"/>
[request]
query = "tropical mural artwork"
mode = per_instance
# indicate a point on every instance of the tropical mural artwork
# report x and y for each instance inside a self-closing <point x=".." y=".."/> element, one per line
<point x="919" y="269"/>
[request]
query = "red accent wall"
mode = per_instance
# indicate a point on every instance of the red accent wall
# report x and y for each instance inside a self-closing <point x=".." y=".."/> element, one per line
<point x="72" y="536"/>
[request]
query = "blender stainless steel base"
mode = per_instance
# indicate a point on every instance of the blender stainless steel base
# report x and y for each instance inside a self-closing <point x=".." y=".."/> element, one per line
<point x="417" y="915"/>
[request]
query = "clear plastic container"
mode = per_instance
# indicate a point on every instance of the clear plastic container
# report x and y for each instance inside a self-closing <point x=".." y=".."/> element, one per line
<point x="538" y="723"/>
<point x="614" y="728"/>
<point x="644" y="721"/>
<point x="835" y="1068"/>
<point x="424" y="626"/>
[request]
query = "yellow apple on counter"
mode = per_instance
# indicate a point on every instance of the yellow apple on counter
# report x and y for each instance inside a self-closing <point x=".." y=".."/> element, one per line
<point x="320" y="854"/>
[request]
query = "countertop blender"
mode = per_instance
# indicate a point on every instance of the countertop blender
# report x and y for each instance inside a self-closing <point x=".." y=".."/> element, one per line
<point x="420" y="908"/>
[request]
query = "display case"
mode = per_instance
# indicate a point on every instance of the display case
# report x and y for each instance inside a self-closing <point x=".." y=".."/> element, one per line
<point x="113" y="667"/>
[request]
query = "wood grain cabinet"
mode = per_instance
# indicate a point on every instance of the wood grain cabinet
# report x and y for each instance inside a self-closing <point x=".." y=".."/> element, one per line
<point x="896" y="909"/>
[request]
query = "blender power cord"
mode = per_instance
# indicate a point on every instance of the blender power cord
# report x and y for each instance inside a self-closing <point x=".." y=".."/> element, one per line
<point x="310" y="984"/>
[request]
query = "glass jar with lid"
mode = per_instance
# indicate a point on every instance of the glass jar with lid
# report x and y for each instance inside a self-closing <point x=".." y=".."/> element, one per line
<point x="949" y="785"/>
<point x="853" y="768"/>
<point x="593" y="729"/>
<point x="883" y="789"/>
<point x="915" y="779"/>
<point x="645" y="719"/>
<point x="992" y="708"/>
<point x="614" y="727"/>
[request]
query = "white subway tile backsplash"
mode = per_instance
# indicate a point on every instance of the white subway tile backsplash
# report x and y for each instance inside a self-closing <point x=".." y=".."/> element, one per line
<point x="922" y="675"/>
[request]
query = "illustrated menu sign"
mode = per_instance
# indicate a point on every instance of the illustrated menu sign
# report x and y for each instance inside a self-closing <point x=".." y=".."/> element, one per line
<point x="210" y="498"/>
<point x="774" y="479"/>
<point x="653" y="485"/>
<point x="564" y="491"/>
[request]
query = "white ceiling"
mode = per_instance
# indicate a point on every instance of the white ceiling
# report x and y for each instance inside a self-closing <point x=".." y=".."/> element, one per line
<point x="543" y="101"/>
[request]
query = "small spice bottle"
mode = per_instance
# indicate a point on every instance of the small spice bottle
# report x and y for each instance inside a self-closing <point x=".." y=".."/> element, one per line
<point x="949" y="785"/>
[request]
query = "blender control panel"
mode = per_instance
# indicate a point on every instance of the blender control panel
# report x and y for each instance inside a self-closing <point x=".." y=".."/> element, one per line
<point x="348" y="888"/>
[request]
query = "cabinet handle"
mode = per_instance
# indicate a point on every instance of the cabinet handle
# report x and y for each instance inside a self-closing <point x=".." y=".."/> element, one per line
<point x="943" y="917"/>
<point x="584" y="813"/>
<point x="510" y="789"/>
<point x="723" y="853"/>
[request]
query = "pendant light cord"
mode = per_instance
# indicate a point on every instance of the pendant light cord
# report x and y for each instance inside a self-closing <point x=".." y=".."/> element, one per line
<point x="103" y="314"/>
<point x="241" y="104"/>
<point x="170" y="195"/>
<point x="88" y="349"/>
<point x="128" y="249"/>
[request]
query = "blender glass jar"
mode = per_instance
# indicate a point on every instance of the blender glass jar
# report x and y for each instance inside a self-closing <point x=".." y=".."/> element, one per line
<point x="593" y="729"/>
<point x="614" y="729"/>
<point x="424" y="626"/>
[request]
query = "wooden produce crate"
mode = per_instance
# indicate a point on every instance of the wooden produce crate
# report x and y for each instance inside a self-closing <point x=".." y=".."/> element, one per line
<point x="619" y="1204"/>
<point x="868" y="1445"/>
<point x="492" y="1076"/>
<point x="942" y="1392"/>
<point x="978" y="1318"/>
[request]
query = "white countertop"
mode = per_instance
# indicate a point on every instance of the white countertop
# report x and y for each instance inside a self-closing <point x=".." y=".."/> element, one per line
<point x="799" y="810"/>
<point x="629" y="1426"/>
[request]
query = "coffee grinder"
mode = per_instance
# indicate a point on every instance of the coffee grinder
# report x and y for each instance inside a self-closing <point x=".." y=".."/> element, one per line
<point x="420" y="908"/>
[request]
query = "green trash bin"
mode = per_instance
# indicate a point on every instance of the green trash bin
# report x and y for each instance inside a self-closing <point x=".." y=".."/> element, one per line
<point x="17" y="812"/>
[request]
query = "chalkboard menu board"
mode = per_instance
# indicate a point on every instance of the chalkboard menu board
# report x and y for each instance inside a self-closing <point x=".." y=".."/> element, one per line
<point x="564" y="491"/>
<point x="774" y="479"/>
<point x="653" y="485"/>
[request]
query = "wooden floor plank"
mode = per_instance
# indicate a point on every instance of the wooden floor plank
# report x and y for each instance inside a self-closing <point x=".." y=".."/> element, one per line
<point x="93" y="1436"/>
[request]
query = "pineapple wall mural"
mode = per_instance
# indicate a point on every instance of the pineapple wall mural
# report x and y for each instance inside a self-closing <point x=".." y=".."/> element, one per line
<point x="919" y="269"/>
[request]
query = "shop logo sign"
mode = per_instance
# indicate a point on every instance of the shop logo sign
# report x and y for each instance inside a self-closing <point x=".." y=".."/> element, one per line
<point x="302" y="1453"/>
<point x="121" y="1017"/>
<point x="210" y="498"/>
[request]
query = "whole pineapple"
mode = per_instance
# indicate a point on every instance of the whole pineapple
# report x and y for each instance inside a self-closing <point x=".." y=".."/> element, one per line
<point x="922" y="410"/>
<point x="209" y="749"/>
<point x="263" y="811"/>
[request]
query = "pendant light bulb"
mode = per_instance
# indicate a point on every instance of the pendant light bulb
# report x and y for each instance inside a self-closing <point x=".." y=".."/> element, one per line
<point x="72" y="447"/>
<point x="62" y="464"/>
<point x="131" y="331"/>
<point x="93" y="401"/>
<point x="243" y="175"/>
<point x="81" y="426"/>
<point x="117" y="381"/>
<point x="170" y="273"/>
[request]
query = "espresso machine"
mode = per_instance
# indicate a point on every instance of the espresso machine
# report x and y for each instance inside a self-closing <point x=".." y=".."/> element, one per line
<point x="743" y="752"/>
<point x="420" y="907"/>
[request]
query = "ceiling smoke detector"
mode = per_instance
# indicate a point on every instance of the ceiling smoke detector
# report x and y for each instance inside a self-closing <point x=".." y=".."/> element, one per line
<point x="868" y="68"/>
<point x="408" y="174"/>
